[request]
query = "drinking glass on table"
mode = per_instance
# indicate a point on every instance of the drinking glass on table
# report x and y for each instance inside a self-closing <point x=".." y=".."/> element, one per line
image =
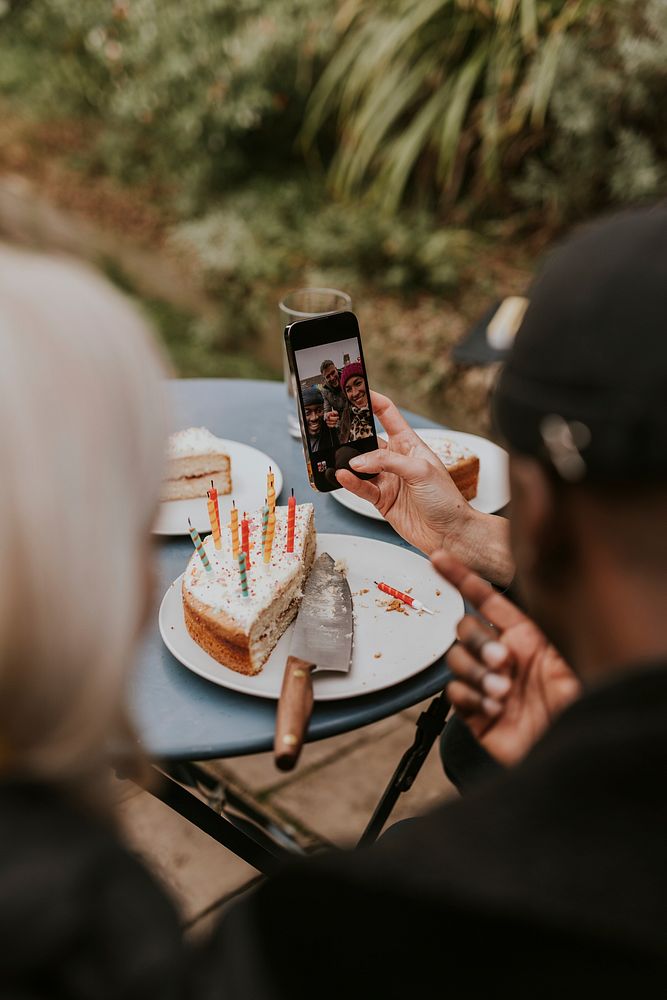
<point x="306" y="303"/>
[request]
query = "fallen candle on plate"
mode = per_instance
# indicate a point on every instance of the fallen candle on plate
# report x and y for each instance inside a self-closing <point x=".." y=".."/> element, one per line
<point x="405" y="598"/>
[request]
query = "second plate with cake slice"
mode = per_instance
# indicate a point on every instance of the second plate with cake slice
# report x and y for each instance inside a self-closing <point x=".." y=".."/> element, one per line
<point x="247" y="467"/>
<point x="492" y="487"/>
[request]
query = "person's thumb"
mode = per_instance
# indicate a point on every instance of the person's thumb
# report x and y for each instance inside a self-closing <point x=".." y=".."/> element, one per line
<point x="412" y="470"/>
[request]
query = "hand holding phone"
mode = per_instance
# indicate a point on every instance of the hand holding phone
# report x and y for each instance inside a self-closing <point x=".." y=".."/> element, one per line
<point x="333" y="398"/>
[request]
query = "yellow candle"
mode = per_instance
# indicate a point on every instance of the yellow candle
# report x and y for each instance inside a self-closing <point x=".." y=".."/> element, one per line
<point x="234" y="524"/>
<point x="271" y="490"/>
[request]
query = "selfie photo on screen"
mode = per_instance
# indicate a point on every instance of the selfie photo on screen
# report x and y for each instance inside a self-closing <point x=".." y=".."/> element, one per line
<point x="336" y="412"/>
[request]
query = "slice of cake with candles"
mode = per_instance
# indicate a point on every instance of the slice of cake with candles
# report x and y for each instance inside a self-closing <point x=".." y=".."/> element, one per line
<point x="238" y="599"/>
<point x="194" y="458"/>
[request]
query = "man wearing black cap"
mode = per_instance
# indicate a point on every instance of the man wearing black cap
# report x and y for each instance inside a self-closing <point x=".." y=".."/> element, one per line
<point x="320" y="436"/>
<point x="551" y="875"/>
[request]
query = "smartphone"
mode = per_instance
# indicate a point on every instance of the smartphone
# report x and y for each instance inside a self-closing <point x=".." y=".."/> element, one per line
<point x="333" y="399"/>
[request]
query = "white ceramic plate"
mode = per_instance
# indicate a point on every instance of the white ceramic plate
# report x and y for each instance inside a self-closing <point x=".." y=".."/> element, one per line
<point x="249" y="469"/>
<point x="407" y="643"/>
<point x="493" y="490"/>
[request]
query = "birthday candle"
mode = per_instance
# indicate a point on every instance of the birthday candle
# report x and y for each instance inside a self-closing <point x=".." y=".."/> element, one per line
<point x="214" y="498"/>
<point x="270" y="531"/>
<point x="244" y="575"/>
<point x="234" y="524"/>
<point x="405" y="598"/>
<point x="291" y="518"/>
<point x="265" y="527"/>
<point x="245" y="539"/>
<point x="271" y="490"/>
<point x="215" y="523"/>
<point x="199" y="545"/>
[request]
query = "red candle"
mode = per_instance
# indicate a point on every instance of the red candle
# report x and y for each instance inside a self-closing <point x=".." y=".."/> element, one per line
<point x="400" y="596"/>
<point x="291" y="519"/>
<point x="245" y="539"/>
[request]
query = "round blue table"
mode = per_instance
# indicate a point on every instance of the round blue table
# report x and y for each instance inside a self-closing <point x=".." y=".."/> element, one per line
<point x="180" y="716"/>
<point x="182" y="719"/>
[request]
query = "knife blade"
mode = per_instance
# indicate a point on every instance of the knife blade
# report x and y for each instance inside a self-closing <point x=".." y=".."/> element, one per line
<point x="322" y="639"/>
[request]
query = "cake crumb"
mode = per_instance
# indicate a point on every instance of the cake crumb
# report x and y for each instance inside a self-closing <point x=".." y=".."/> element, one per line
<point x="408" y="590"/>
<point x="364" y="590"/>
<point x="376" y="656"/>
<point x="397" y="605"/>
<point x="340" y="566"/>
<point x="437" y="593"/>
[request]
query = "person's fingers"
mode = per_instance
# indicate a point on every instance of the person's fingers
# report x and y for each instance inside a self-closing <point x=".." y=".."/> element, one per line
<point x="469" y="702"/>
<point x="469" y="669"/>
<point x="482" y="642"/>
<point x="495" y="608"/>
<point x="389" y="415"/>
<point x="363" y="488"/>
<point x="407" y="467"/>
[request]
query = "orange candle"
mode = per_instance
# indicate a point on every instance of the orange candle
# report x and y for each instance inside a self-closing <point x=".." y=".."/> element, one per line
<point x="291" y="520"/>
<point x="215" y="522"/>
<point x="245" y="539"/>
<point x="234" y="525"/>
<point x="213" y="495"/>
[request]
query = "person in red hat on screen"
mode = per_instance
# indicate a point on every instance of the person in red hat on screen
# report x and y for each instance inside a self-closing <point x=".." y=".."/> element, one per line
<point x="356" y="422"/>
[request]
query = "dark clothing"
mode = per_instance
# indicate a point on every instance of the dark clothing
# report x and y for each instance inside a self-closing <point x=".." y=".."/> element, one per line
<point x="326" y="440"/>
<point x="464" y="760"/>
<point x="550" y="877"/>
<point x="79" y="916"/>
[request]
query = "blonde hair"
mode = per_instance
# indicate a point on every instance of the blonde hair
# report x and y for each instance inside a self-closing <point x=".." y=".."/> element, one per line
<point x="81" y="451"/>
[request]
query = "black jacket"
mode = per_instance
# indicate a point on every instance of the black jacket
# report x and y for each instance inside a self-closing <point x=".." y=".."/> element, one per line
<point x="549" y="879"/>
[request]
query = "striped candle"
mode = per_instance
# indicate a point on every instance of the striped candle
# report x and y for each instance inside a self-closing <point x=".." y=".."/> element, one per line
<point x="213" y="518"/>
<point x="270" y="532"/>
<point x="245" y="539"/>
<point x="265" y="527"/>
<point x="271" y="490"/>
<point x="291" y="519"/>
<point x="199" y="546"/>
<point x="234" y="525"/>
<point x="243" y="574"/>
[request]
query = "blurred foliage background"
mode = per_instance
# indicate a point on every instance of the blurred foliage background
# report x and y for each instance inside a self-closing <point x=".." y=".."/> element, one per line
<point x="419" y="154"/>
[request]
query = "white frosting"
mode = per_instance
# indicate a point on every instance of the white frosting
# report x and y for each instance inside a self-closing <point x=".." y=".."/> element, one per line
<point x="220" y="588"/>
<point x="447" y="450"/>
<point x="194" y="441"/>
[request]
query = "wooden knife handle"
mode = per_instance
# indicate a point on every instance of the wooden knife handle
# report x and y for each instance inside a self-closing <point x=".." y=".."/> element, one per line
<point x="294" y="710"/>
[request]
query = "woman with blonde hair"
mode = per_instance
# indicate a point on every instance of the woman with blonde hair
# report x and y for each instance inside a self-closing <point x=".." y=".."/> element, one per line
<point x="81" y="447"/>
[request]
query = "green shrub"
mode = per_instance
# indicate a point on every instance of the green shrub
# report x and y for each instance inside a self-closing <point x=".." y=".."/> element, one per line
<point x="452" y="100"/>
<point x="192" y="93"/>
<point x="289" y="233"/>
<point x="608" y="118"/>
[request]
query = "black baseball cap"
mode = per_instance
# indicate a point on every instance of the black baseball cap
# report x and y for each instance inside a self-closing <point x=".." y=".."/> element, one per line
<point x="584" y="387"/>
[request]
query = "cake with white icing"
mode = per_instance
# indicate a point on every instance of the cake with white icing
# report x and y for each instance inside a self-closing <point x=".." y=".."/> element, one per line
<point x="460" y="462"/>
<point x="194" y="458"/>
<point x="239" y="631"/>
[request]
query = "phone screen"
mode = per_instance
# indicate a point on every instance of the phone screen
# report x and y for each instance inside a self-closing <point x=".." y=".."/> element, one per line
<point x="333" y="395"/>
